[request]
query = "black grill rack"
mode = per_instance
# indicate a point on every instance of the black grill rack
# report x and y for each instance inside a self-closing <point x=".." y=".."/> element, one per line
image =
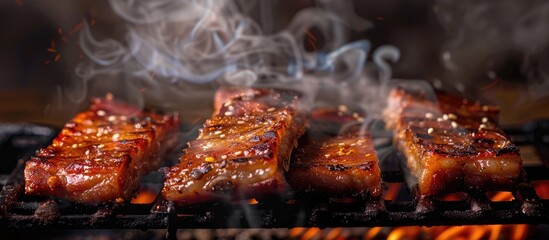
<point x="19" y="212"/>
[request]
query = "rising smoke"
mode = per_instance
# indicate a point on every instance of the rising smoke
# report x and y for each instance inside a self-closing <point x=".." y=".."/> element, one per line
<point x="174" y="47"/>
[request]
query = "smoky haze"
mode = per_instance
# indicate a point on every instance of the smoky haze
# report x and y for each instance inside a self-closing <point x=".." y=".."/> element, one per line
<point x="173" y="49"/>
<point x="165" y="53"/>
<point x="489" y="39"/>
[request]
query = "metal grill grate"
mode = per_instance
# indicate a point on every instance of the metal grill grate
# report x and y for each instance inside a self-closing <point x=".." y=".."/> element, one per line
<point x="21" y="212"/>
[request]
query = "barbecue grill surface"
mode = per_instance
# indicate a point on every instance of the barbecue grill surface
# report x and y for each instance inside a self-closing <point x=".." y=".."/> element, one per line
<point x="19" y="212"/>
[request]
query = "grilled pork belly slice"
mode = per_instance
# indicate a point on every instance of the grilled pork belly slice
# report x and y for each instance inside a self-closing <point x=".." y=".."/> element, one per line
<point x="453" y="145"/>
<point x="452" y="159"/>
<point x="242" y="151"/>
<point x="101" y="154"/>
<point x="332" y="164"/>
<point x="404" y="103"/>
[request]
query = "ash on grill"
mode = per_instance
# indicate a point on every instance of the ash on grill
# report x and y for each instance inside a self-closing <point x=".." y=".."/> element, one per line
<point x="20" y="212"/>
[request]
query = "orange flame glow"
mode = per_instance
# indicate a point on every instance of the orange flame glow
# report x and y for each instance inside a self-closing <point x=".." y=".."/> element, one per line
<point x="502" y="196"/>
<point x="453" y="197"/>
<point x="294" y="232"/>
<point x="392" y="191"/>
<point x="405" y="233"/>
<point x="372" y="233"/>
<point x="333" y="233"/>
<point x="144" y="197"/>
<point x="542" y="188"/>
<point x="310" y="233"/>
<point x="253" y="201"/>
<point x="492" y="232"/>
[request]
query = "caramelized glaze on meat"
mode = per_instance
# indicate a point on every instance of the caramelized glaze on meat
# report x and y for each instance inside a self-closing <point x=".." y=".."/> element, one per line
<point x="454" y="144"/>
<point x="242" y="150"/>
<point x="101" y="154"/>
<point x="341" y="165"/>
<point x="411" y="104"/>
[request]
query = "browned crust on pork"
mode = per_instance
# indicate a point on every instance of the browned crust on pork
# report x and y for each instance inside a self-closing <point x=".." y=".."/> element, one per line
<point x="335" y="159"/>
<point x="452" y="144"/>
<point x="101" y="154"/>
<point x="241" y="151"/>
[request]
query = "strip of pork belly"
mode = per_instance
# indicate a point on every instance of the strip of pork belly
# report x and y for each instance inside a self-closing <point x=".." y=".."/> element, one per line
<point x="242" y="151"/>
<point x="403" y="103"/>
<point x="454" y="146"/>
<point x="101" y="154"/>
<point x="334" y="163"/>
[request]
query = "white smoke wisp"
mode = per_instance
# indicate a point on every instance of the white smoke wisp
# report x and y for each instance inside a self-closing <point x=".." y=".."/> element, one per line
<point x="197" y="41"/>
<point x="193" y="41"/>
<point x="178" y="47"/>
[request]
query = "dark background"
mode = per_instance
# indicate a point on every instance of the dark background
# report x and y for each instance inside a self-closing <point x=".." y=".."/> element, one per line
<point x="32" y="74"/>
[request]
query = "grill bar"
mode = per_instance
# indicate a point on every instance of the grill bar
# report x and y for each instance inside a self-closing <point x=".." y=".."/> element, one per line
<point x="21" y="212"/>
<point x="281" y="216"/>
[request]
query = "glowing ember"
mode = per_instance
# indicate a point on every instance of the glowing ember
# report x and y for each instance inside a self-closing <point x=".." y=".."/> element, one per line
<point x="502" y="196"/>
<point x="310" y="233"/>
<point x="294" y="232"/>
<point x="405" y="233"/>
<point x="542" y="188"/>
<point x="77" y="28"/>
<point x="253" y="201"/>
<point x="144" y="197"/>
<point x="333" y="233"/>
<point x="392" y="191"/>
<point x="372" y="233"/>
<point x="453" y="197"/>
